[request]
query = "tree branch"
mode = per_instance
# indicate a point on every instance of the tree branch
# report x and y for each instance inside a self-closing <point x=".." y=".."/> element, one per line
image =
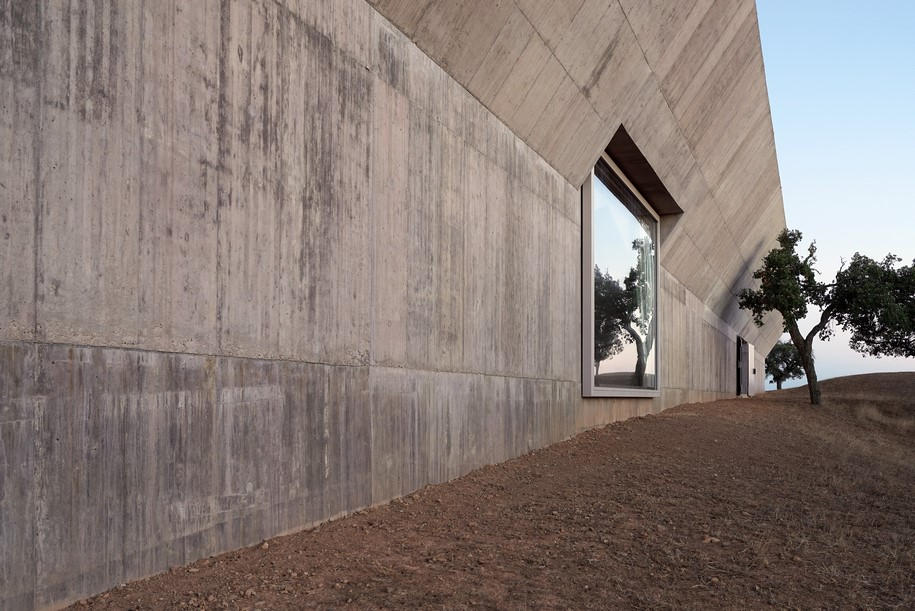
<point x="795" y="333"/>
<point x="825" y="317"/>
<point x="633" y="333"/>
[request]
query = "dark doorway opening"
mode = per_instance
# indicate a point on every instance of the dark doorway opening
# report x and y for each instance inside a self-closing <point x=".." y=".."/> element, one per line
<point x="743" y="367"/>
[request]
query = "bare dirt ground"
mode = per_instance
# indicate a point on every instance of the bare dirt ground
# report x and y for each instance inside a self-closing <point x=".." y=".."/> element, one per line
<point x="740" y="503"/>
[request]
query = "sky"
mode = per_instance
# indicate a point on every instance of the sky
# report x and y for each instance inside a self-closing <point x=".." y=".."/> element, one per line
<point x="841" y="79"/>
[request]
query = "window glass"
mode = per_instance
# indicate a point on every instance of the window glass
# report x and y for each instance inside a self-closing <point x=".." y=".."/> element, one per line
<point x="624" y="251"/>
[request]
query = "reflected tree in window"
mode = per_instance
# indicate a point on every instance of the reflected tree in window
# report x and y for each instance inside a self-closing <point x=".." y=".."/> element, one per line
<point x="625" y="313"/>
<point x="609" y="308"/>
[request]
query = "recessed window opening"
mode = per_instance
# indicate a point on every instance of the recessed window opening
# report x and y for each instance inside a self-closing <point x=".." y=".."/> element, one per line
<point x="619" y="287"/>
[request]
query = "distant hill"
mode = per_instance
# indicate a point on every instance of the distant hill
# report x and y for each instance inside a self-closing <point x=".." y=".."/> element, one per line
<point x="888" y="398"/>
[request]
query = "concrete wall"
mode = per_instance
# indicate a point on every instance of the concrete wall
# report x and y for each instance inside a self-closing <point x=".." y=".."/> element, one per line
<point x="686" y="79"/>
<point x="268" y="262"/>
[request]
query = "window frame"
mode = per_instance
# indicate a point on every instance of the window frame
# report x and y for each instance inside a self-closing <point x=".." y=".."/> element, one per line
<point x="588" y="388"/>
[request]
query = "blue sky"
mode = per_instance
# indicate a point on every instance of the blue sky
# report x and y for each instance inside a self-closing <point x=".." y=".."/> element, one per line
<point x="841" y="78"/>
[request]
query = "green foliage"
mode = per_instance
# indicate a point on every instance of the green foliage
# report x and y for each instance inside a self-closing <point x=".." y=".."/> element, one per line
<point x="875" y="302"/>
<point x="783" y="363"/>
<point x="787" y="284"/>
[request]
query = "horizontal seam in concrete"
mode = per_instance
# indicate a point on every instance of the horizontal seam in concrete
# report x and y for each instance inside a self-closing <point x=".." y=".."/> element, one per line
<point x="18" y="421"/>
<point x="37" y="342"/>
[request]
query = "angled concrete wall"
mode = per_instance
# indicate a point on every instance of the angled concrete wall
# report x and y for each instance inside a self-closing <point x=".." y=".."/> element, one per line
<point x="266" y="263"/>
<point x="686" y="79"/>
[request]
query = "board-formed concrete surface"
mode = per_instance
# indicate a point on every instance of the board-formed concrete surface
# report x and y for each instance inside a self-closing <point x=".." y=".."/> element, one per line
<point x="269" y="262"/>
<point x="685" y="78"/>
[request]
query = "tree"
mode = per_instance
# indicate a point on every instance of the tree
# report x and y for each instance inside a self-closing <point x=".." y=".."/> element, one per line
<point x="873" y="300"/>
<point x="640" y="321"/>
<point x="623" y="313"/>
<point x="608" y="328"/>
<point x="787" y="285"/>
<point x="783" y="363"/>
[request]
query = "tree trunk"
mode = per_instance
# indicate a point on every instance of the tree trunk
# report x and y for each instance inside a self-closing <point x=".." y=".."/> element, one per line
<point x="778" y="384"/>
<point x="640" y="368"/>
<point x="812" y="385"/>
<point x="805" y="349"/>
<point x="640" y="355"/>
<point x="596" y="368"/>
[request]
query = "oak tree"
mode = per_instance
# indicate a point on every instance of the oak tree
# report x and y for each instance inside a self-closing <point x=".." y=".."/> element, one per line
<point x="783" y="363"/>
<point x="788" y="285"/>
<point x="875" y="302"/>
<point x="871" y="299"/>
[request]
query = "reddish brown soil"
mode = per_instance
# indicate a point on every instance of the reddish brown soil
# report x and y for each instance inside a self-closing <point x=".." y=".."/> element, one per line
<point x="740" y="503"/>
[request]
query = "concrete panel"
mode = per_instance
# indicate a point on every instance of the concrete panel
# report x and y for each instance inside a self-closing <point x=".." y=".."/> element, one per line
<point x="111" y="113"/>
<point x="565" y="294"/>
<point x="590" y="41"/>
<point x="433" y="247"/>
<point x="550" y="19"/>
<point x="470" y="45"/>
<point x="739" y="125"/>
<point x="748" y="160"/>
<point x="89" y="245"/>
<point x="19" y="116"/>
<point x="430" y="89"/>
<point x="432" y="433"/>
<point x="439" y="23"/>
<point x="664" y="27"/>
<point x="565" y="110"/>
<point x="550" y="81"/>
<point x="119" y="463"/>
<point x="294" y="279"/>
<point x="424" y="432"/>
<point x="177" y="178"/>
<point x="499" y="62"/>
<point x="650" y="121"/>
<point x="391" y="276"/>
<point x="684" y="71"/>
<point x="497" y="230"/>
<point x="518" y="82"/>
<point x="756" y="248"/>
<point x="350" y="24"/>
<point x="431" y="198"/>
<point x="480" y="290"/>
<point x="683" y="258"/>
<point x="685" y="79"/>
<point x="20" y="410"/>
<point x="120" y="467"/>
<point x="405" y="13"/>
<point x="535" y="314"/>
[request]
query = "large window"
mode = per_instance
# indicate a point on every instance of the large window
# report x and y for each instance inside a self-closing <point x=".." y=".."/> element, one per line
<point x="619" y="287"/>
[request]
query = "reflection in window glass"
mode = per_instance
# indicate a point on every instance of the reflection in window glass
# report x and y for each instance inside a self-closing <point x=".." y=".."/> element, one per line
<point x="625" y="287"/>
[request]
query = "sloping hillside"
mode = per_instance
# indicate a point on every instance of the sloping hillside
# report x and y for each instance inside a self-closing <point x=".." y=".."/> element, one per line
<point x="739" y="503"/>
<point x="876" y="398"/>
